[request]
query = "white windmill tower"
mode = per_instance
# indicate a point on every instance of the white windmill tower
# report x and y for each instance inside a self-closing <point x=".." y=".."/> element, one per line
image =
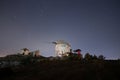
<point x="61" y="48"/>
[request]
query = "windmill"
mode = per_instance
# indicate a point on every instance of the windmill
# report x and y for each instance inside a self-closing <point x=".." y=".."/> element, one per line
<point x="61" y="48"/>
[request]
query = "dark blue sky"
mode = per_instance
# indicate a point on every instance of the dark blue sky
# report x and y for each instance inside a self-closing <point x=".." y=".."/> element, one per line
<point x="91" y="25"/>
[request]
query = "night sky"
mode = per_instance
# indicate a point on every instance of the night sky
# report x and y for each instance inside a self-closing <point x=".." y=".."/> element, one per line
<point x="90" y="25"/>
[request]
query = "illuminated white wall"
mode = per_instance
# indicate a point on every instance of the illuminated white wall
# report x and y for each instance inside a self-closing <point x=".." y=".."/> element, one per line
<point x="61" y="49"/>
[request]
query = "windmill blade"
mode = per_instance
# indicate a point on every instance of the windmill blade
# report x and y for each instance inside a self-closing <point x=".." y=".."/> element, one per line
<point x="54" y="42"/>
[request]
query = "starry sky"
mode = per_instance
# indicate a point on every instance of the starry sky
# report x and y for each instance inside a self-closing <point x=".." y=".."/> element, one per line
<point x="90" y="25"/>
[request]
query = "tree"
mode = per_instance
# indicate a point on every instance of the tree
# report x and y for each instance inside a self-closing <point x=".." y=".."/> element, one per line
<point x="101" y="57"/>
<point x="95" y="57"/>
<point x="88" y="56"/>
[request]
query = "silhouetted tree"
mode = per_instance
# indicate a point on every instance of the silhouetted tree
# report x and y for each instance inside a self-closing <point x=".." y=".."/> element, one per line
<point x="94" y="57"/>
<point x="101" y="57"/>
<point x="88" y="56"/>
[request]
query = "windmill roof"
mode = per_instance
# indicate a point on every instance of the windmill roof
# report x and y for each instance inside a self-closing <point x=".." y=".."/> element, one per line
<point x="62" y="42"/>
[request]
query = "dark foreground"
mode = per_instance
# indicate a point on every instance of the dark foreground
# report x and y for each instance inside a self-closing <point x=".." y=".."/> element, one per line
<point x="63" y="70"/>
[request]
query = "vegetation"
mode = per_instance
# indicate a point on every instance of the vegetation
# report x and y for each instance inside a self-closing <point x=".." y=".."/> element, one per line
<point x="72" y="67"/>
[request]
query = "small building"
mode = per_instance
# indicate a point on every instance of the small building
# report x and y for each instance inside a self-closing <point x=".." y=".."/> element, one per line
<point x="25" y="51"/>
<point x="35" y="53"/>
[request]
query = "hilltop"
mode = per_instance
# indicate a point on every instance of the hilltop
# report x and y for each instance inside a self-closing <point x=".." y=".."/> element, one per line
<point x="51" y="68"/>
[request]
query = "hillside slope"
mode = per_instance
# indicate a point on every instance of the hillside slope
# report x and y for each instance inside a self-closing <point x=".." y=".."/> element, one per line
<point x="63" y="70"/>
